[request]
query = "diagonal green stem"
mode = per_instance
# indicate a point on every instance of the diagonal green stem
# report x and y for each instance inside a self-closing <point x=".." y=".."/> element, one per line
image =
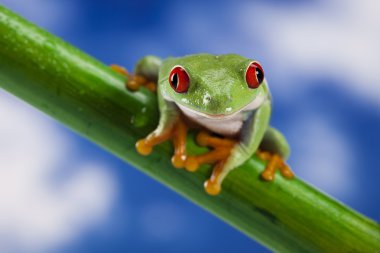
<point x="82" y="93"/>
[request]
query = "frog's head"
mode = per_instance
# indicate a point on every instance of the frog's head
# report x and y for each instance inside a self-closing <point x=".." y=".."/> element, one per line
<point x="213" y="86"/>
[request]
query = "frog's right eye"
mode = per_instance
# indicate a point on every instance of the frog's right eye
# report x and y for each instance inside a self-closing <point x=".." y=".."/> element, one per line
<point x="254" y="75"/>
<point x="179" y="79"/>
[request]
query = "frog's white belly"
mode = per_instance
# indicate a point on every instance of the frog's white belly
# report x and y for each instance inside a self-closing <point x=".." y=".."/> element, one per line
<point x="226" y="126"/>
<point x="229" y="125"/>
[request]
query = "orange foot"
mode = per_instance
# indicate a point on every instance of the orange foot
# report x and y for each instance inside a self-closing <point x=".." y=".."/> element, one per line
<point x="177" y="133"/>
<point x="134" y="81"/>
<point x="275" y="162"/>
<point x="221" y="151"/>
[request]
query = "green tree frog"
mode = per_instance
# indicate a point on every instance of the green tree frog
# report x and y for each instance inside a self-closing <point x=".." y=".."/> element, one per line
<point x="224" y="94"/>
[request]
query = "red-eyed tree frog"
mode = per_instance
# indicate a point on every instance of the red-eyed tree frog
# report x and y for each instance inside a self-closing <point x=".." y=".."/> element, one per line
<point x="224" y="94"/>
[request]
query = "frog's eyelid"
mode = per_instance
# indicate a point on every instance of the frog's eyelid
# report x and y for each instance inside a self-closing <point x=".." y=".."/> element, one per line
<point x="178" y="65"/>
<point x="166" y="77"/>
<point x="182" y="67"/>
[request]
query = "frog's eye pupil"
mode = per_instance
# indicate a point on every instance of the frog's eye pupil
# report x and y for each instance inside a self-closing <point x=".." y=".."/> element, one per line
<point x="259" y="75"/>
<point x="179" y="79"/>
<point x="174" y="80"/>
<point x="254" y="75"/>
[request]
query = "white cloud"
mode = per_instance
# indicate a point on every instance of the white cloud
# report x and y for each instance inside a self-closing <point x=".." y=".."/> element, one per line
<point x="39" y="210"/>
<point x="337" y="38"/>
<point x="322" y="156"/>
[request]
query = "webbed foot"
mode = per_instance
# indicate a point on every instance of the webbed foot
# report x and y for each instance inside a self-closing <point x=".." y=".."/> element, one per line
<point x="134" y="81"/>
<point x="275" y="162"/>
<point x="218" y="155"/>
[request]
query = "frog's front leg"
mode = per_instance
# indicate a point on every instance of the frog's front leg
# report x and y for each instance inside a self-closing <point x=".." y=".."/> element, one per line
<point x="237" y="152"/>
<point x="145" y="146"/>
<point x="222" y="148"/>
<point x="170" y="127"/>
<point x="229" y="154"/>
<point x="177" y="132"/>
<point x="179" y="143"/>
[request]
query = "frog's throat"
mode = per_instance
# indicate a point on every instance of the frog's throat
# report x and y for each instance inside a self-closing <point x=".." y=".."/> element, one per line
<point x="254" y="104"/>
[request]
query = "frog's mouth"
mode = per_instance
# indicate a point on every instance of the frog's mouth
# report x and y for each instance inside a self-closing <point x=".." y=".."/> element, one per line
<point x="254" y="104"/>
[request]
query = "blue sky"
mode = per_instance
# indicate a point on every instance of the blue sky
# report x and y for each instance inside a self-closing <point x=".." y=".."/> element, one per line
<point x="321" y="60"/>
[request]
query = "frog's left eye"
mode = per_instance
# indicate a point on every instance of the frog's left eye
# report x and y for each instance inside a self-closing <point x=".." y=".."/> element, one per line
<point x="179" y="79"/>
<point x="254" y="75"/>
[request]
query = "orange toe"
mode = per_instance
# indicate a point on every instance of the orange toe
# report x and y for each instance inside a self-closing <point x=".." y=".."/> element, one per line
<point x="179" y="161"/>
<point x="287" y="172"/>
<point x="151" y="86"/>
<point x="119" y="69"/>
<point x="267" y="175"/>
<point x="143" y="148"/>
<point x="275" y="162"/>
<point x="212" y="188"/>
<point x="191" y="164"/>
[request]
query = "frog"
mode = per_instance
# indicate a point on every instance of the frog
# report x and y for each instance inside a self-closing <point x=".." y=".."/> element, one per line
<point x="227" y="98"/>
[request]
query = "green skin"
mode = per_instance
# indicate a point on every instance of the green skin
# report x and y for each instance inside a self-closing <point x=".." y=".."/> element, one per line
<point x="217" y="91"/>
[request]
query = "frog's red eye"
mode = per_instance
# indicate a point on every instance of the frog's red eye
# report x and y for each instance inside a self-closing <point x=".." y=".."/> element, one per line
<point x="179" y="79"/>
<point x="254" y="75"/>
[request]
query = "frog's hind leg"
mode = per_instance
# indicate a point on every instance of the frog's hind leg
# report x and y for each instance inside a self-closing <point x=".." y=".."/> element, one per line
<point x="134" y="81"/>
<point x="119" y="69"/>
<point x="275" y="149"/>
<point x="176" y="132"/>
<point x="146" y="73"/>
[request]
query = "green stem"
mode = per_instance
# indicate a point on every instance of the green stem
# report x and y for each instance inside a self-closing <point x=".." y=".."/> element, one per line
<point x="87" y="96"/>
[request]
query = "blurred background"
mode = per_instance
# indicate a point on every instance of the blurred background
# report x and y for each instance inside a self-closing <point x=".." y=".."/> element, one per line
<point x="321" y="59"/>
